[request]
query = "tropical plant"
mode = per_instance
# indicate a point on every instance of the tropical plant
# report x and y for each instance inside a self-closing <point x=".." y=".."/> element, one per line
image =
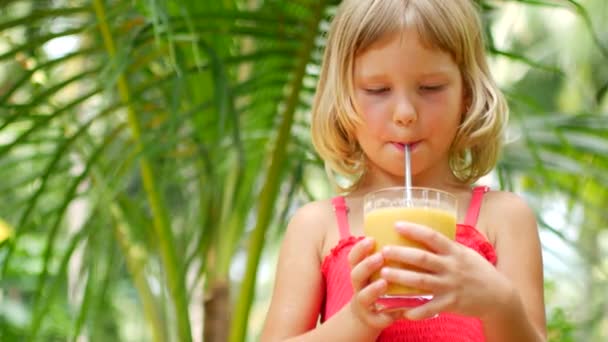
<point x="146" y="146"/>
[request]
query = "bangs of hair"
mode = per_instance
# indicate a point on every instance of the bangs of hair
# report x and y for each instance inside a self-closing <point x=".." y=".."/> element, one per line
<point x="442" y="25"/>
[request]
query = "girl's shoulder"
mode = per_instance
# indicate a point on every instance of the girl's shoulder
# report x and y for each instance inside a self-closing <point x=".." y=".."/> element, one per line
<point x="506" y="214"/>
<point x="310" y="222"/>
<point x="506" y="204"/>
<point x="314" y="212"/>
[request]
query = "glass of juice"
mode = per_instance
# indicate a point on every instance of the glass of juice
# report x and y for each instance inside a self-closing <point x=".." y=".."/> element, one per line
<point x="426" y="206"/>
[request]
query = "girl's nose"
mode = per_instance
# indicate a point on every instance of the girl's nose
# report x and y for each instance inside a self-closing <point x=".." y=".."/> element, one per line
<point x="404" y="113"/>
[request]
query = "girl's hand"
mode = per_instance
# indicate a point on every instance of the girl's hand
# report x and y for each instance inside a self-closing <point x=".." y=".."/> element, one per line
<point x="363" y="264"/>
<point x="460" y="279"/>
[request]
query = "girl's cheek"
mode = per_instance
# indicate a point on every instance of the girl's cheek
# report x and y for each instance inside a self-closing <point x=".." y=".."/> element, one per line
<point x="375" y="109"/>
<point x="377" y="115"/>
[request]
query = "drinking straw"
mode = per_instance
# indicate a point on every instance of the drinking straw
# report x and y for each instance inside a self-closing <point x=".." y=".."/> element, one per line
<point x="408" y="175"/>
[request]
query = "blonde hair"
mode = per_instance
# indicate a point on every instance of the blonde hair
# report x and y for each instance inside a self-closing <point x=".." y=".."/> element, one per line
<point x="452" y="26"/>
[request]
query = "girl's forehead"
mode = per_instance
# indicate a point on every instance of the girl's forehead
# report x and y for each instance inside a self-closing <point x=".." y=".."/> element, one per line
<point x="403" y="47"/>
<point x="409" y="36"/>
<point x="405" y="36"/>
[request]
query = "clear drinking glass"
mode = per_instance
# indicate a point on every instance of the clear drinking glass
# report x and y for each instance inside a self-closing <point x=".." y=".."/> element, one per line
<point x="426" y="206"/>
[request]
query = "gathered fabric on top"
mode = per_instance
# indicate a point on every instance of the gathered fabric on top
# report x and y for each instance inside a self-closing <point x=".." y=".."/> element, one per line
<point x="446" y="327"/>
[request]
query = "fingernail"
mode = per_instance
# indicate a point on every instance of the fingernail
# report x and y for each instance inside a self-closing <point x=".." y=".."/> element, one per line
<point x="376" y="258"/>
<point x="385" y="272"/>
<point x="400" y="224"/>
<point x="412" y="315"/>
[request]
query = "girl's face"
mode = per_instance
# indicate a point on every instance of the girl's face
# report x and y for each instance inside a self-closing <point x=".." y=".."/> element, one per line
<point x="407" y="93"/>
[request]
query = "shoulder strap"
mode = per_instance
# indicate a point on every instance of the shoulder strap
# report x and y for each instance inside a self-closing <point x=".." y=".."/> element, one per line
<point x="341" y="210"/>
<point x="475" y="205"/>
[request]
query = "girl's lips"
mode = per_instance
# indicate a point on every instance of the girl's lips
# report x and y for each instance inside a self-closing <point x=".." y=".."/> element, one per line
<point x="401" y="146"/>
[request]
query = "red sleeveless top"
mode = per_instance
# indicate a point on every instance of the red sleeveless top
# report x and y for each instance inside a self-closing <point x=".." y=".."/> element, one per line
<point x="446" y="327"/>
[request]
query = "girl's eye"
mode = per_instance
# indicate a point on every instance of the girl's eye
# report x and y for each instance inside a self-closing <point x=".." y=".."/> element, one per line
<point x="376" y="91"/>
<point x="431" y="88"/>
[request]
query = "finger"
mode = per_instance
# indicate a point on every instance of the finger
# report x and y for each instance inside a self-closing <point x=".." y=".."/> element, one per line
<point x="428" y="237"/>
<point x="361" y="273"/>
<point x="418" y="280"/>
<point x="360" y="250"/>
<point x="414" y="256"/>
<point x="437" y="305"/>
<point x="370" y="293"/>
<point x="366" y="299"/>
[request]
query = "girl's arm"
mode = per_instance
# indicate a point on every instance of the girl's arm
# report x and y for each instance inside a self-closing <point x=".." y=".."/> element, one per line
<point x="522" y="316"/>
<point x="298" y="292"/>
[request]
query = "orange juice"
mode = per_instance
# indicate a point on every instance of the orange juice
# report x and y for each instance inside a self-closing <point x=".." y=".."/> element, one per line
<point x="380" y="224"/>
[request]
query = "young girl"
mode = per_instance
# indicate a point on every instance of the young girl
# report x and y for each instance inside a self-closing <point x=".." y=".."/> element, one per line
<point x="397" y="73"/>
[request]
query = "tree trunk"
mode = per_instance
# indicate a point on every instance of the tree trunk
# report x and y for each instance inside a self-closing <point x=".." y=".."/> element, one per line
<point x="217" y="312"/>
